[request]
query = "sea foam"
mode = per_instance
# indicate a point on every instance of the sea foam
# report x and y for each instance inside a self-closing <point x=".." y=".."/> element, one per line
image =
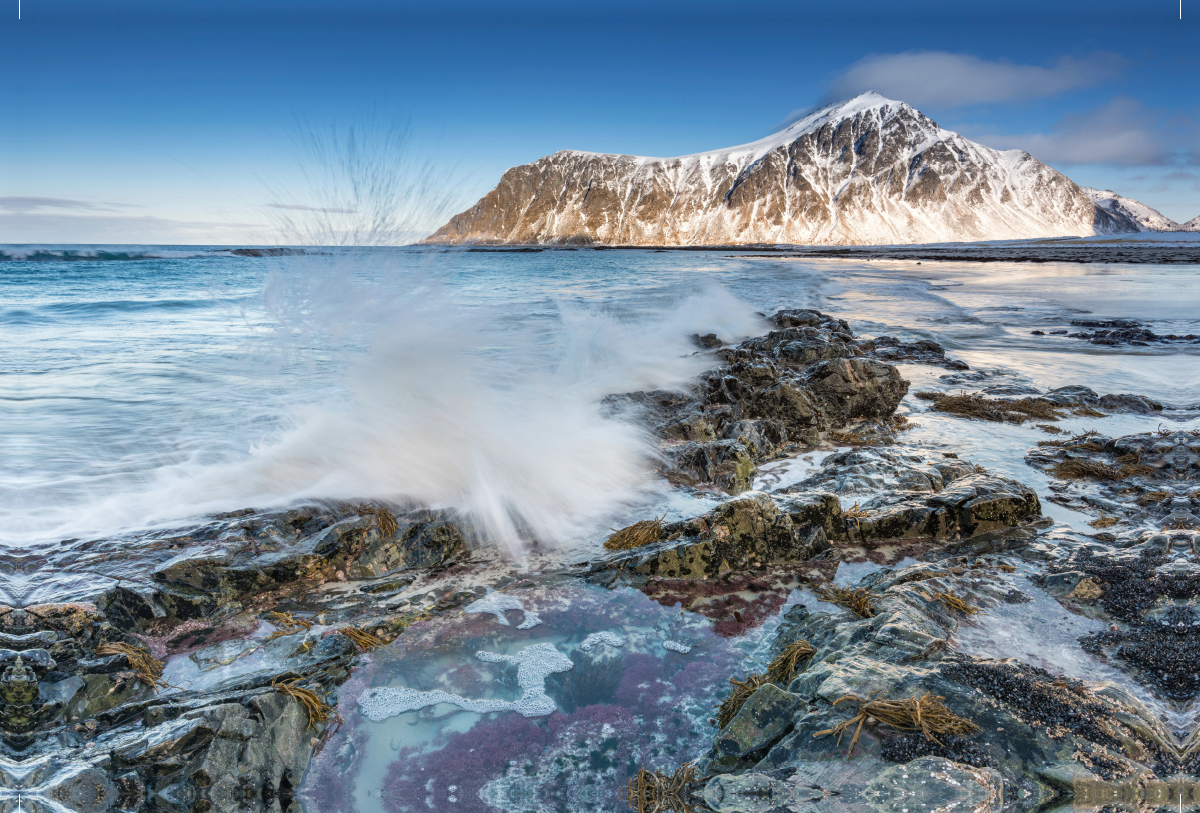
<point x="534" y="664"/>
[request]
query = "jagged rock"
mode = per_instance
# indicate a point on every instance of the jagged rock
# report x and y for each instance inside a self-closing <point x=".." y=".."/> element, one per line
<point x="816" y="508"/>
<point x="763" y="718"/>
<point x="869" y="471"/>
<point x="1038" y="731"/>
<point x="854" y="389"/>
<point x="922" y="351"/>
<point x="757" y="793"/>
<point x="970" y="505"/>
<point x="774" y="393"/>
<point x="727" y="464"/>
<point x="731" y="536"/>
<point x="1126" y="402"/>
<point x="424" y="539"/>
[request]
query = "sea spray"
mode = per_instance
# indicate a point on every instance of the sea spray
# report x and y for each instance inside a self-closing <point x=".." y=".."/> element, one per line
<point x="417" y="400"/>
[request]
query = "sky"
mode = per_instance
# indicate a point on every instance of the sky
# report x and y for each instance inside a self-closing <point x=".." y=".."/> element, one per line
<point x="178" y="121"/>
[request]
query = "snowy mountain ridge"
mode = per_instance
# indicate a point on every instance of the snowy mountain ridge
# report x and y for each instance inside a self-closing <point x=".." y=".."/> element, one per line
<point x="1138" y="213"/>
<point x="870" y="170"/>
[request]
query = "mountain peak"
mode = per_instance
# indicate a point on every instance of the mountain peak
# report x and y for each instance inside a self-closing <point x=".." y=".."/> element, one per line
<point x="865" y="170"/>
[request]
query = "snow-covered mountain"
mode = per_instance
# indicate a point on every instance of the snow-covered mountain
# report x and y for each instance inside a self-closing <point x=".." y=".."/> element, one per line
<point x="867" y="171"/>
<point x="1139" y="214"/>
<point x="1191" y="225"/>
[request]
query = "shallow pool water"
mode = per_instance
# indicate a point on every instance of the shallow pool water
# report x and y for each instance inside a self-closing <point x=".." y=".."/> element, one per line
<point x="620" y="706"/>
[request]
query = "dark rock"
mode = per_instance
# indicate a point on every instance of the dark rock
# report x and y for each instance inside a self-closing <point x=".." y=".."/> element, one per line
<point x="854" y="389"/>
<point x="921" y="351"/>
<point x="732" y="536"/>
<point x="762" y="720"/>
<point x="1125" y="402"/>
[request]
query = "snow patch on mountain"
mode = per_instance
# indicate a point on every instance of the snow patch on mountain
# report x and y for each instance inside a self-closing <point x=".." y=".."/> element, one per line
<point x="867" y="171"/>
<point x="1136" y="212"/>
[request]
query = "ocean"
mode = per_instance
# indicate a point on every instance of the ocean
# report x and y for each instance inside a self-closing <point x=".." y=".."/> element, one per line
<point x="147" y="385"/>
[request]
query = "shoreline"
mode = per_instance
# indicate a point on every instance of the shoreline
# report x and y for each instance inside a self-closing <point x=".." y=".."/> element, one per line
<point x="292" y="598"/>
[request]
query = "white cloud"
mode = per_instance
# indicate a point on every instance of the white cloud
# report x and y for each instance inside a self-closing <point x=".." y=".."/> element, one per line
<point x="18" y="203"/>
<point x="942" y="79"/>
<point x="1123" y="132"/>
<point x="299" y="208"/>
<point x="52" y="227"/>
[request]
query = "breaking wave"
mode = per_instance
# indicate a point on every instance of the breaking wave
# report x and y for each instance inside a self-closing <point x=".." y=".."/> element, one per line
<point x="493" y="414"/>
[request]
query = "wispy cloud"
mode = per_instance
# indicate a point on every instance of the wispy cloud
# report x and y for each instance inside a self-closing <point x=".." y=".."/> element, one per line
<point x="33" y="204"/>
<point x="943" y="79"/>
<point x="77" y="226"/>
<point x="327" y="210"/>
<point x="1123" y="132"/>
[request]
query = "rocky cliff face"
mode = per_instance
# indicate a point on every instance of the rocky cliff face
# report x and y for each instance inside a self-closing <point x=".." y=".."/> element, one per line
<point x="1140" y="216"/>
<point x="867" y="171"/>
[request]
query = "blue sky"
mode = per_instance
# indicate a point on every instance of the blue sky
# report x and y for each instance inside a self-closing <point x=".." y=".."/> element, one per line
<point x="175" y="120"/>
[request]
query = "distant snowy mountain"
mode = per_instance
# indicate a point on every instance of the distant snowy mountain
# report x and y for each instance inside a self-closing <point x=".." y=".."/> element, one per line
<point x="1136" y="212"/>
<point x="867" y="171"/>
<point x="1191" y="225"/>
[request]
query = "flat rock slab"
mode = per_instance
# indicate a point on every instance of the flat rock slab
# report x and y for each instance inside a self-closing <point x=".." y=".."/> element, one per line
<point x="762" y="720"/>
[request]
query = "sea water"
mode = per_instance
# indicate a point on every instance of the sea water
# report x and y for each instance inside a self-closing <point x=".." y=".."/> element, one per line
<point x="152" y="385"/>
<point x="162" y="383"/>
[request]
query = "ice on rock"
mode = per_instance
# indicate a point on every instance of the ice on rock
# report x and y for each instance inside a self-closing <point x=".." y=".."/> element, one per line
<point x="610" y="638"/>
<point x="497" y="603"/>
<point x="677" y="647"/>
<point x="534" y="664"/>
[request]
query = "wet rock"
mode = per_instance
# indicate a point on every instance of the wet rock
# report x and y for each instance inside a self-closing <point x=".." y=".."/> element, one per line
<point x="763" y="719"/>
<point x="1118" y="332"/>
<point x="757" y="793"/>
<point x="1128" y="480"/>
<point x="1126" y="402"/>
<point x="921" y="351"/>
<point x="925" y="784"/>
<point x="424" y="539"/>
<point x="734" y="535"/>
<point x="970" y="505"/>
<point x="1039" y="733"/>
<point x="855" y="389"/>
<point x="870" y="471"/>
<point x="727" y="464"/>
<point x="772" y="394"/>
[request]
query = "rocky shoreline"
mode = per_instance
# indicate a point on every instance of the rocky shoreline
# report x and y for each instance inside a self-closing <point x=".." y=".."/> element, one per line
<point x="208" y="675"/>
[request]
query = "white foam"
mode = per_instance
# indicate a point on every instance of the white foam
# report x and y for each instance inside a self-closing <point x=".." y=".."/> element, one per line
<point x="610" y="638"/>
<point x="531" y="621"/>
<point x="496" y="604"/>
<point x="534" y="664"/>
